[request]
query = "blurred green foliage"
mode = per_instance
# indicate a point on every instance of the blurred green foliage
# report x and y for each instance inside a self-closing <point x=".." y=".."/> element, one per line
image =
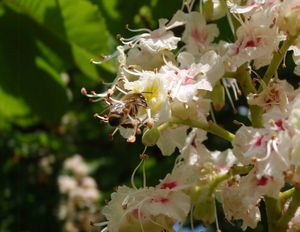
<point x="45" y="48"/>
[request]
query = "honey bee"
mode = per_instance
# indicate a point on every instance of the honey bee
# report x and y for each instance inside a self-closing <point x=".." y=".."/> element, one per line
<point x="123" y="112"/>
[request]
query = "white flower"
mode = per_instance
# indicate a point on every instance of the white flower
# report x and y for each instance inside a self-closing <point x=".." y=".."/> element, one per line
<point x="197" y="109"/>
<point x="256" y="40"/>
<point x="198" y="35"/>
<point x="246" y="193"/>
<point x="144" y="59"/>
<point x="294" y="114"/>
<point x="289" y="17"/>
<point x="170" y="139"/>
<point x="275" y="94"/>
<point x="186" y="80"/>
<point x="154" y="87"/>
<point x="147" y="209"/>
<point x="88" y="182"/>
<point x="159" y="39"/>
<point x="66" y="184"/>
<point x="196" y="165"/>
<point x="241" y="7"/>
<point x="76" y="165"/>
<point x="249" y="6"/>
<point x="267" y="148"/>
<point x="79" y="202"/>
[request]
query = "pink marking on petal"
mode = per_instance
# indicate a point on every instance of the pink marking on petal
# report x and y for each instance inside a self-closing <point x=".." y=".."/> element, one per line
<point x="258" y="141"/>
<point x="199" y="36"/>
<point x="250" y="43"/>
<point x="262" y="181"/>
<point x="163" y="200"/>
<point x="168" y="185"/>
<point x="187" y="80"/>
<point x="253" y="42"/>
<point x="279" y="124"/>
<point x="137" y="213"/>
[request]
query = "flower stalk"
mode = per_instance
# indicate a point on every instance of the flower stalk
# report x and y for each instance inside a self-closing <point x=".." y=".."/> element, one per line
<point x="210" y="127"/>
<point x="278" y="57"/>
<point x="291" y="210"/>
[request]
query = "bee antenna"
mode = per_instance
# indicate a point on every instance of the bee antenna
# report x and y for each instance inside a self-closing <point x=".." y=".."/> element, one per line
<point x="147" y="92"/>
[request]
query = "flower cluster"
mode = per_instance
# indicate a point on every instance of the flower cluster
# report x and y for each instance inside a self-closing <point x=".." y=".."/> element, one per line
<point x="79" y="196"/>
<point x="168" y="87"/>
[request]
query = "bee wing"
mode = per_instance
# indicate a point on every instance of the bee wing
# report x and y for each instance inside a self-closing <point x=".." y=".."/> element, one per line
<point x="117" y="107"/>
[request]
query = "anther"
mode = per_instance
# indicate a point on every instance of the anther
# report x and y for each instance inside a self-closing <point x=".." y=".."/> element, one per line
<point x="83" y="91"/>
<point x="103" y="57"/>
<point x="124" y="206"/>
<point x="288" y="175"/>
<point x="110" y="92"/>
<point x="131" y="139"/>
<point x="131" y="67"/>
<point x="150" y="123"/>
<point x="254" y="159"/>
<point x="144" y="156"/>
<point x="138" y="131"/>
<point x="118" y="36"/>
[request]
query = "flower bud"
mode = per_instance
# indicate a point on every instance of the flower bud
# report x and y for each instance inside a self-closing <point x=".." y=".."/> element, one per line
<point x="205" y="211"/>
<point x="214" y="10"/>
<point x="289" y="17"/>
<point x="218" y="96"/>
<point x="150" y="137"/>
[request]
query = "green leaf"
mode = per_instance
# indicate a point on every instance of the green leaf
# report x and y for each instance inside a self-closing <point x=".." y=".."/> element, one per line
<point x="119" y="13"/>
<point x="28" y="84"/>
<point x="77" y="32"/>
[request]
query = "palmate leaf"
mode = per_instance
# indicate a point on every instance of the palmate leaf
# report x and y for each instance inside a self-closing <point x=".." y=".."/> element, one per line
<point x="74" y="29"/>
<point x="28" y="84"/>
<point x="39" y="40"/>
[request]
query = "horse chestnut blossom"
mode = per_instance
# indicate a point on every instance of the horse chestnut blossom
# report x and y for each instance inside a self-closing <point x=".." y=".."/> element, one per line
<point x="79" y="195"/>
<point x="170" y="85"/>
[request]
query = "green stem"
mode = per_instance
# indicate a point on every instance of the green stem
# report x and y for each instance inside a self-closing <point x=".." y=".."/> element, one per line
<point x="235" y="170"/>
<point x="256" y="116"/>
<point x="276" y="220"/>
<point x="278" y="57"/>
<point x="209" y="127"/>
<point x="273" y="213"/>
<point x="290" y="212"/>
<point x="284" y="196"/>
<point x="244" y="79"/>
